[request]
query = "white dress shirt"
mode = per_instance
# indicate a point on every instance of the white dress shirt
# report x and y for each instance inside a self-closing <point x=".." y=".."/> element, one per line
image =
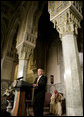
<point x="38" y="78"/>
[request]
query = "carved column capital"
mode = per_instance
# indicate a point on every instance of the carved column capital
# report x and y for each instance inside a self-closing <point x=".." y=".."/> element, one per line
<point x="67" y="22"/>
<point x="24" y="51"/>
<point x="66" y="19"/>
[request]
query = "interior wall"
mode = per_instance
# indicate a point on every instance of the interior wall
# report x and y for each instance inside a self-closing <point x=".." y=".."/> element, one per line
<point x="52" y="66"/>
<point x="55" y="62"/>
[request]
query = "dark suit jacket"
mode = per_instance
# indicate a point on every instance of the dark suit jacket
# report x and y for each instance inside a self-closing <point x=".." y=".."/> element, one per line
<point x="39" y="91"/>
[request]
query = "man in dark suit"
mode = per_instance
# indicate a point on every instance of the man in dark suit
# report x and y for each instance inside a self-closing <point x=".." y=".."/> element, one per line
<point x="39" y="93"/>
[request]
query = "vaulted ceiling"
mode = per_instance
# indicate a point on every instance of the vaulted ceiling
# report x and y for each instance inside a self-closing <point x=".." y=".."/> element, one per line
<point x="12" y="15"/>
<point x="10" y="19"/>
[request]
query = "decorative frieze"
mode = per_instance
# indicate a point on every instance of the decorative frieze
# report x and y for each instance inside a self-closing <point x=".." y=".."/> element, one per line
<point x="54" y="7"/>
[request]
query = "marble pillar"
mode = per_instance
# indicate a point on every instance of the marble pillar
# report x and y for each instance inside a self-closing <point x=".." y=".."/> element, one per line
<point x="22" y="68"/>
<point x="72" y="76"/>
<point x="66" y="17"/>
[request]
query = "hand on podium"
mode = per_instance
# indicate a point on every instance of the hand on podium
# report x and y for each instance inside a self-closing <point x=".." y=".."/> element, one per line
<point x="35" y="85"/>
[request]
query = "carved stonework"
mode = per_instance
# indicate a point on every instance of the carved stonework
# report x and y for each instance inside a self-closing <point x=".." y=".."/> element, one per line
<point x="24" y="51"/>
<point x="78" y="5"/>
<point x="31" y="38"/>
<point x="67" y="21"/>
<point x="12" y="55"/>
<point x="54" y="7"/>
<point x="57" y="7"/>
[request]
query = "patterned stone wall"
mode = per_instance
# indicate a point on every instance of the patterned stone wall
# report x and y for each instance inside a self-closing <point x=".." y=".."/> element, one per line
<point x="56" y="7"/>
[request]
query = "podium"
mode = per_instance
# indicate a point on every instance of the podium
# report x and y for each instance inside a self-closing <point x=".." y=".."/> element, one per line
<point x="19" y="107"/>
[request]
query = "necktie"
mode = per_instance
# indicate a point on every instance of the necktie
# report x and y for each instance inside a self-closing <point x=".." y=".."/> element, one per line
<point x="38" y="79"/>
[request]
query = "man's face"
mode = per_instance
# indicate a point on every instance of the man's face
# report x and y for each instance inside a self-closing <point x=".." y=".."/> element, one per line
<point x="40" y="72"/>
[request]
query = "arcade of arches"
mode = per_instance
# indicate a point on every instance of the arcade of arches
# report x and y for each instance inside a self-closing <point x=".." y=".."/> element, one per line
<point x="44" y="34"/>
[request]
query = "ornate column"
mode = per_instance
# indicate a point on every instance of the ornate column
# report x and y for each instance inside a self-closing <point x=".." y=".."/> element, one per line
<point x="25" y="44"/>
<point x="25" y="48"/>
<point x="24" y="52"/>
<point x="66" y="16"/>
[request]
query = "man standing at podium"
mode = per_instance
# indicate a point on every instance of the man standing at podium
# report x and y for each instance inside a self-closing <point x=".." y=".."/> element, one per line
<point x="39" y="93"/>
